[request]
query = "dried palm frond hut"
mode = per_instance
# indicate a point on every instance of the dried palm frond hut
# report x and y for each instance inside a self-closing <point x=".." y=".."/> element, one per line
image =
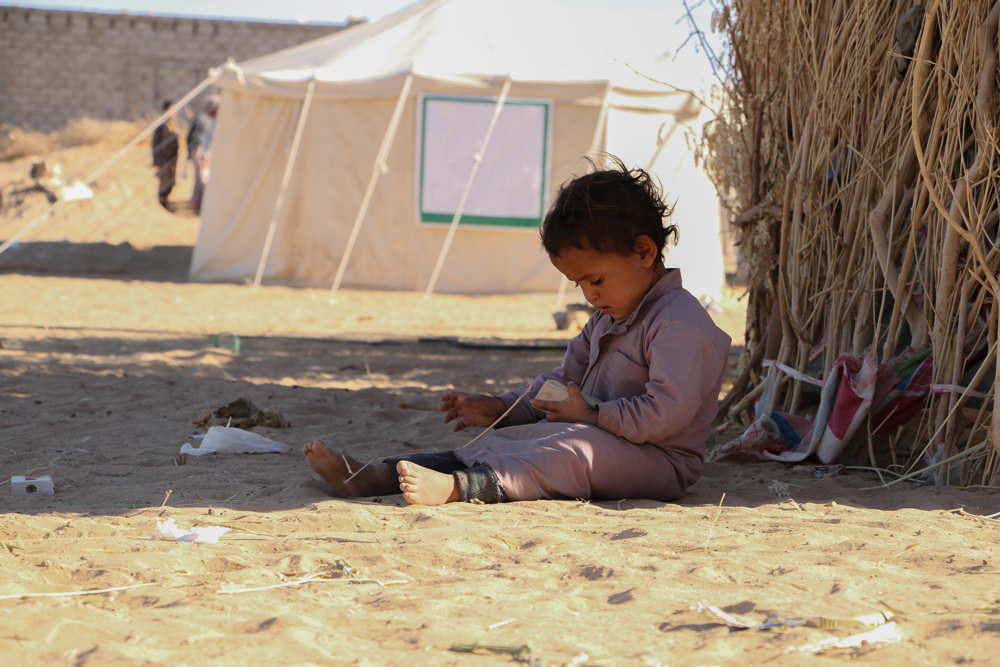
<point x="860" y="142"/>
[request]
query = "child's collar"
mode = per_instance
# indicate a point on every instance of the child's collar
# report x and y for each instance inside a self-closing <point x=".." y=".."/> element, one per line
<point x="671" y="279"/>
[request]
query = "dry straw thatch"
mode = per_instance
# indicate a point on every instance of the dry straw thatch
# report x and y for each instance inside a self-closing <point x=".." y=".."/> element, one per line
<point x="859" y="142"/>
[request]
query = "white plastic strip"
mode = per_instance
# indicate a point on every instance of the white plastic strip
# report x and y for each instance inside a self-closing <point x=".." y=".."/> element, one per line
<point x="280" y="203"/>
<point x="117" y="156"/>
<point x="794" y="374"/>
<point x="379" y="168"/>
<point x="476" y="161"/>
<point x="935" y="388"/>
<point x="956" y="389"/>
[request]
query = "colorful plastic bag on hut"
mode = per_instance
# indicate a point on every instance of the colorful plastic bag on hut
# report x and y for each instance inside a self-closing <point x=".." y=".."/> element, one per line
<point x="896" y="389"/>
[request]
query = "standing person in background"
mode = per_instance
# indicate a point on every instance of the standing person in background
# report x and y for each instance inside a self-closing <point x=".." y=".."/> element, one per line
<point x="166" y="145"/>
<point x="199" y="146"/>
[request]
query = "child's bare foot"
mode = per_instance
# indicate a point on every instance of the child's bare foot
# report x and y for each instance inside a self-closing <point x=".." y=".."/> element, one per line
<point x="377" y="479"/>
<point x="422" y="486"/>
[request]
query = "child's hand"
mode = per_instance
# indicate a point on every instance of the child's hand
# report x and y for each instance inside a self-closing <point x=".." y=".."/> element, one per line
<point x="481" y="410"/>
<point x="574" y="409"/>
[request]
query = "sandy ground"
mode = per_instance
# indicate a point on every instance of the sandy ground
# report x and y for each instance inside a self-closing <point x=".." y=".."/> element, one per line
<point x="108" y="355"/>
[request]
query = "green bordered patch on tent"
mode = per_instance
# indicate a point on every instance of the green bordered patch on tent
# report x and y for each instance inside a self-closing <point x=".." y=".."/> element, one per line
<point x="512" y="185"/>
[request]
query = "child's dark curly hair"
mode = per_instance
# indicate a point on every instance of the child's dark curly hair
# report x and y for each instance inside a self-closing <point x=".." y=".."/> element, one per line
<point x="607" y="210"/>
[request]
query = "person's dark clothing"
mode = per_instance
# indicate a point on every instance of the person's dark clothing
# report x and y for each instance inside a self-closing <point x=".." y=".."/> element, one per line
<point x="166" y="146"/>
<point x="199" y="141"/>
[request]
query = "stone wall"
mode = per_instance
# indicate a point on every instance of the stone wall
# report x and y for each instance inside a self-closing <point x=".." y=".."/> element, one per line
<point x="59" y="65"/>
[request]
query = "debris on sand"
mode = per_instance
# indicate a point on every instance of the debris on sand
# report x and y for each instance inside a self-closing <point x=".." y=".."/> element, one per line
<point x="244" y="415"/>
<point x="208" y="534"/>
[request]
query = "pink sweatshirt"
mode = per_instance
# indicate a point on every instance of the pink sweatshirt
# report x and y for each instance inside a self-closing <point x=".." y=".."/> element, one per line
<point x="657" y="373"/>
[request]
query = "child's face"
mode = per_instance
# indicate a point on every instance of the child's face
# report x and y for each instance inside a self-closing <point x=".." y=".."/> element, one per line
<point x="612" y="283"/>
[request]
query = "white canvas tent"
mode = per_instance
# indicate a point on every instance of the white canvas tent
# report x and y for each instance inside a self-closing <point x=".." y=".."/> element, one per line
<point x="380" y="130"/>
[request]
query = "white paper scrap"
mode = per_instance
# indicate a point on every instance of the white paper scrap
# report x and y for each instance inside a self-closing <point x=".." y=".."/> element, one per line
<point x="207" y="534"/>
<point x="881" y="635"/>
<point x="76" y="192"/>
<point x="234" y="441"/>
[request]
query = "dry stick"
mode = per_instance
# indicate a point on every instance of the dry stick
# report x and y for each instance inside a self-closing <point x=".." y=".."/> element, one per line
<point x="976" y="308"/>
<point x="846" y="269"/>
<point x="348" y="466"/>
<point x="939" y="404"/>
<point x="904" y="207"/>
<point x="861" y="338"/>
<point x="712" y="527"/>
<point x="989" y="468"/>
<point x="986" y="79"/>
<point x="950" y="247"/>
<point x="368" y="370"/>
<point x="900" y="280"/>
<point x="976" y="425"/>
<point x="957" y="367"/>
<point x="984" y="519"/>
<point x="749" y="398"/>
<point x="902" y="295"/>
<point x="960" y="455"/>
<point x="754" y="213"/>
<point x="72" y="593"/>
<point x="359" y="469"/>
<point x="169" y="491"/>
<point x="871" y="450"/>
<point x="313" y="578"/>
<point x="991" y="329"/>
<point x="885" y="560"/>
<point x="802" y="367"/>
<point x="917" y="318"/>
<point x="794" y="283"/>
<point x="755" y="359"/>
<point x="786" y="223"/>
<point x="882" y="239"/>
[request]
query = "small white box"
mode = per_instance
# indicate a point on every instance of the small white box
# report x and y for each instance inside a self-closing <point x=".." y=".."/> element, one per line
<point x="554" y="391"/>
<point x="32" y="484"/>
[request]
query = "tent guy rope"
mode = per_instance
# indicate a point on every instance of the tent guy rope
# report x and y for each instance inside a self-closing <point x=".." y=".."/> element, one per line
<point x="379" y="168"/>
<point x="280" y="203"/>
<point x="477" y="160"/>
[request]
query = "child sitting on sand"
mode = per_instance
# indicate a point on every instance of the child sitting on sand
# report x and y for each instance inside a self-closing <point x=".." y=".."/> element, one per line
<point x="651" y="357"/>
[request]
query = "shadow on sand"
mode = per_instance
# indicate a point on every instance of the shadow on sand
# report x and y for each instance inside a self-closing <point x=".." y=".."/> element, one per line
<point x="98" y="260"/>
